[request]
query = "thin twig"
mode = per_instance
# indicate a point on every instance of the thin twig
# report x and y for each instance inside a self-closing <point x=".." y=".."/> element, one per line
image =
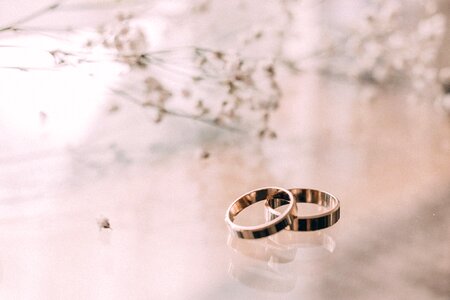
<point x="27" y="69"/>
<point x="135" y="101"/>
<point x="32" y="16"/>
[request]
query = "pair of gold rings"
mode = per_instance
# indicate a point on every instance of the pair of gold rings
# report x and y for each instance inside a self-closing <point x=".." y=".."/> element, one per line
<point x="288" y="219"/>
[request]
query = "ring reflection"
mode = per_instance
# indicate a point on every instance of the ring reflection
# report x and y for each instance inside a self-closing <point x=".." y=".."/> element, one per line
<point x="275" y="263"/>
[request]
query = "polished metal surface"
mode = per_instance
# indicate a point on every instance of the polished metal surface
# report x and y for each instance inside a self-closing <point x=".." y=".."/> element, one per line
<point x="274" y="225"/>
<point x="308" y="223"/>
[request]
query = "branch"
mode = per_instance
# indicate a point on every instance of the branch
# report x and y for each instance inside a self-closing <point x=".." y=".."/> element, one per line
<point x="135" y="101"/>
<point x="32" y="16"/>
<point x="27" y="69"/>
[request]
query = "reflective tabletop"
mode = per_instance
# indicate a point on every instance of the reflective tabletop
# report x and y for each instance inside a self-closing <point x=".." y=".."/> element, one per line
<point x="387" y="161"/>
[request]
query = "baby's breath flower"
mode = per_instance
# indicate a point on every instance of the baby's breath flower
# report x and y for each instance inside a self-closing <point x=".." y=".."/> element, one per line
<point x="383" y="50"/>
<point x="125" y="37"/>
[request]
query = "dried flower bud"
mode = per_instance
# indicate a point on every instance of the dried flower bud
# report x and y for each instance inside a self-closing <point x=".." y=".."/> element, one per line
<point x="219" y="55"/>
<point x="113" y="108"/>
<point x="103" y="223"/>
<point x="270" y="70"/>
<point x="202" y="61"/>
<point x="199" y="104"/>
<point x="58" y="56"/>
<point x="218" y="120"/>
<point x="186" y="93"/>
<point x="204" y="154"/>
<point x="262" y="133"/>
<point x="152" y="83"/>
<point x="148" y="103"/>
<point x="142" y="61"/>
<point x="272" y="134"/>
<point x="159" y="116"/>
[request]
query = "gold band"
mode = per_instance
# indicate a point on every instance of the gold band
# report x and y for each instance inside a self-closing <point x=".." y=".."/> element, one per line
<point x="307" y="223"/>
<point x="276" y="224"/>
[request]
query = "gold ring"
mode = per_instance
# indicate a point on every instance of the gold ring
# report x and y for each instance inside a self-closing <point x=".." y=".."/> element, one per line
<point x="276" y="224"/>
<point x="307" y="223"/>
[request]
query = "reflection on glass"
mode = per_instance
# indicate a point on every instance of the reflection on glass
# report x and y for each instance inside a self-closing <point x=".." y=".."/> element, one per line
<point x="275" y="263"/>
<point x="260" y="275"/>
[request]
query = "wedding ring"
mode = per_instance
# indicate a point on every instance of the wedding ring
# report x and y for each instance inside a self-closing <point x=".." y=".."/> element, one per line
<point x="276" y="224"/>
<point x="307" y="223"/>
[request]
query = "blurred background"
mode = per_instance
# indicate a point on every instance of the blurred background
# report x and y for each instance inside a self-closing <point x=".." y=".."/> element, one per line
<point x="128" y="127"/>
